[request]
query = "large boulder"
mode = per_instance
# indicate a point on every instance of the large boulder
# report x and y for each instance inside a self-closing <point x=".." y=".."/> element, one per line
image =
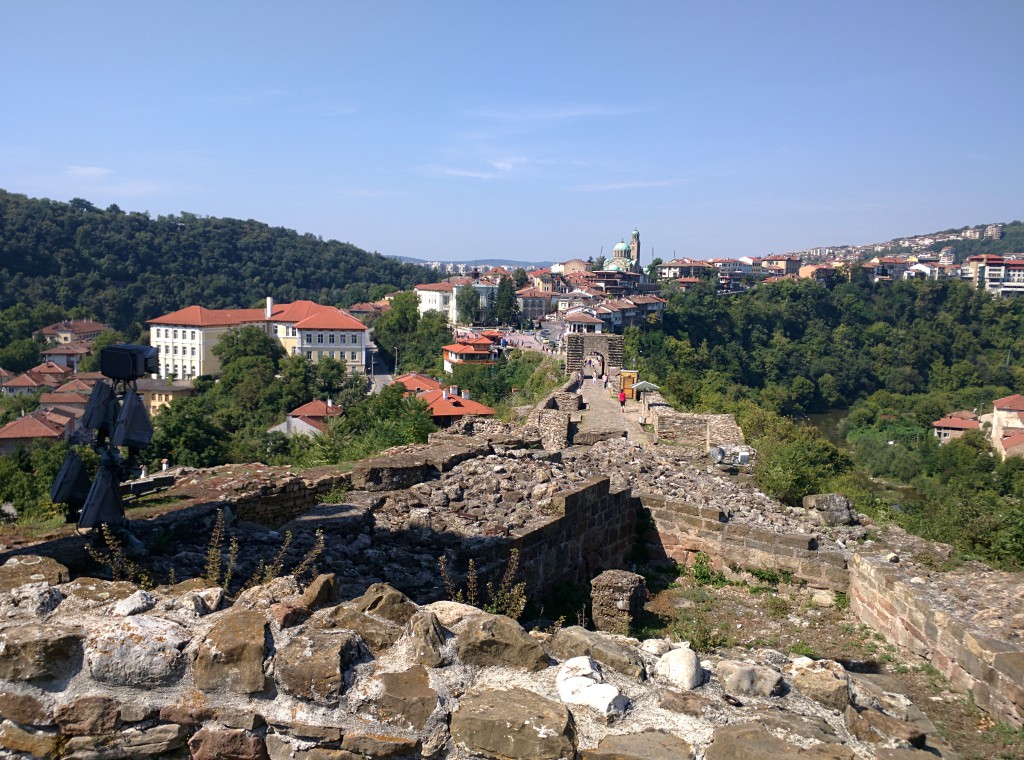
<point x="681" y="668"/>
<point x="231" y="656"/>
<point x="387" y="602"/>
<point x="748" y="678"/>
<point x="743" y="741"/>
<point x="128" y="743"/>
<point x="426" y="638"/>
<point x="312" y="664"/>
<point x="39" y="652"/>
<point x="830" y="509"/>
<point x="227" y="744"/>
<point x="24" y="709"/>
<point x="580" y="682"/>
<point x="377" y="634"/>
<point x="499" y="640"/>
<point x="646" y="745"/>
<point x="576" y="641"/>
<point x="406" y="699"/>
<point x="35" y="743"/>
<point x="824" y="681"/>
<point x="514" y="724"/>
<point x="138" y="651"/>
<point x="31" y="568"/>
<point x="88" y="715"/>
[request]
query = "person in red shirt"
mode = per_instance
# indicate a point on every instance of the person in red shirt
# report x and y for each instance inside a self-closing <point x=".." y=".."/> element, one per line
<point x="622" y="400"/>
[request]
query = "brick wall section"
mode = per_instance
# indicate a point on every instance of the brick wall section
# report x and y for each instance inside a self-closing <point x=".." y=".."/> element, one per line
<point x="592" y="529"/>
<point x="682" y="530"/>
<point x="287" y="501"/>
<point x="925" y="620"/>
<point x="694" y="431"/>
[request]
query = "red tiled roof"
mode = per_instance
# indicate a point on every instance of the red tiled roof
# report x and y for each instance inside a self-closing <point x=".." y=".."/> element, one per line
<point x="441" y="287"/>
<point x="316" y="409"/>
<point x="199" y="316"/>
<point x="1014" y="403"/>
<point x="688" y="280"/>
<point x="1012" y="441"/>
<point x="414" y="381"/>
<point x="462" y="349"/>
<point x="330" y="318"/>
<point x="63" y="398"/>
<point x="956" y="423"/>
<point x="453" y="406"/>
<point x="76" y="326"/>
<point x="531" y="292"/>
<point x="67" y="349"/>
<point x="51" y="368"/>
<point x="29" y="380"/>
<point x="584" y="319"/>
<point x="75" y="386"/>
<point x="31" y="426"/>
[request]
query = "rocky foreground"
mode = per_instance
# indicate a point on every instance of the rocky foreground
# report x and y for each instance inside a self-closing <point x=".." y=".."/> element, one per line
<point x="93" y="669"/>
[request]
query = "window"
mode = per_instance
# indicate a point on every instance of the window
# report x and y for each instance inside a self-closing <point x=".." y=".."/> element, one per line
<point x="330" y="339"/>
<point x="309" y="355"/>
<point x="309" y="338"/>
<point x="175" y="334"/>
<point x="192" y="336"/>
<point x="320" y="338"/>
<point x="352" y="355"/>
<point x="193" y="350"/>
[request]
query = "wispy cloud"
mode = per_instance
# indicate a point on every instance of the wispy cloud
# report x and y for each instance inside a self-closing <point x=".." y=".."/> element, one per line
<point x="455" y="171"/>
<point x="636" y="184"/>
<point x="88" y="172"/>
<point x="358" y="193"/>
<point x="549" y="113"/>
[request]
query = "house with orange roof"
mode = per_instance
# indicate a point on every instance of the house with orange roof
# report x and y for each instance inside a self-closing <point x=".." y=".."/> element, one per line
<point x="41" y="425"/>
<point x="1007" y="421"/>
<point x="71" y="331"/>
<point x="28" y="383"/>
<point x="447" y="405"/>
<point x="71" y="403"/>
<point x="309" y="419"/>
<point x="76" y="385"/>
<point x="67" y="354"/>
<point x="1011" y="445"/>
<point x="415" y="382"/>
<point x="466" y="353"/>
<point x="954" y="425"/>
<point x="185" y="338"/>
<point x="534" y="304"/>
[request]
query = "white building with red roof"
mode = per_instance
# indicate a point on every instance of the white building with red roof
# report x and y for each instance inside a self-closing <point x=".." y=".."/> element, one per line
<point x="954" y="426"/>
<point x="447" y="405"/>
<point x="43" y="425"/>
<point x="466" y="353"/>
<point x="416" y="382"/>
<point x="1007" y="423"/>
<point x="71" y="331"/>
<point x="185" y="338"/>
<point x="309" y="419"/>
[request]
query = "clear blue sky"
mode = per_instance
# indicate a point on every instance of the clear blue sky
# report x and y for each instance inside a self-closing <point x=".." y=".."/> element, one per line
<point x="528" y="130"/>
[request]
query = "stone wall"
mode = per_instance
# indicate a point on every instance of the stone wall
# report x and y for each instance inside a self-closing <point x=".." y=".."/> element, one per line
<point x="593" y="529"/>
<point x="965" y="629"/>
<point x="274" y="506"/>
<point x="681" y="530"/>
<point x="696" y="432"/>
<point x="970" y="650"/>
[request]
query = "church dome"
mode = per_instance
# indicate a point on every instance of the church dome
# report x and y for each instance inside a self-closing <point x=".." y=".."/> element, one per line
<point x="618" y="264"/>
<point x="620" y="248"/>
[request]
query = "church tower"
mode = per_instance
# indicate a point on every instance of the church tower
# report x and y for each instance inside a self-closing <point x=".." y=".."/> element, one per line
<point x="634" y="247"/>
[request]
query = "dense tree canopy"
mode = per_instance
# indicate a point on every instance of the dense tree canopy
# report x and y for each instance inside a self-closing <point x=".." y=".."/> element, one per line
<point x="124" y="268"/>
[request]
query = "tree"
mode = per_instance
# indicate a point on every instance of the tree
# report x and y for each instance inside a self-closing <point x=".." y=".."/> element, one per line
<point x="520" y="277"/>
<point x="91" y="363"/>
<point x="652" y="268"/>
<point x="467" y="302"/>
<point x="247" y="341"/>
<point x="505" y="304"/>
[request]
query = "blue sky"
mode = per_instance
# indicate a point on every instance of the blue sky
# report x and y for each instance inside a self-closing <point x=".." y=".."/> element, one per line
<point x="527" y="130"/>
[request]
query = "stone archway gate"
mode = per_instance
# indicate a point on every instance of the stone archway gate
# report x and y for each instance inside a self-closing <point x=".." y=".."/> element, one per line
<point x="579" y="345"/>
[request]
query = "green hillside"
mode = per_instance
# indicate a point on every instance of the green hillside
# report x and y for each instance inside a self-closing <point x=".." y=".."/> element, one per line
<point x="124" y="268"/>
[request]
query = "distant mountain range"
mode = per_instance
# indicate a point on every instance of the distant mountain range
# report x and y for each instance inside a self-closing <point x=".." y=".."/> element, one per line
<point x="507" y="263"/>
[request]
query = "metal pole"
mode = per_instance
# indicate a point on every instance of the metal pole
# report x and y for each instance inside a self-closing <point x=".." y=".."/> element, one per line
<point x="396" y="361"/>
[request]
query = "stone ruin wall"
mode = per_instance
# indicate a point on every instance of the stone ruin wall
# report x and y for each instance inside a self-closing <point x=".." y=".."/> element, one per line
<point x="976" y="654"/>
<point x="593" y="526"/>
<point x="695" y="432"/>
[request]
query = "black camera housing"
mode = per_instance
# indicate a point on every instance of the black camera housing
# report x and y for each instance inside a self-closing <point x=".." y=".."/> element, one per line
<point x="128" y="361"/>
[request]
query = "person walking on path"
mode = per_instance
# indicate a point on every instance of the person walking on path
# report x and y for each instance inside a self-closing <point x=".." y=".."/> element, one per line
<point x="622" y="401"/>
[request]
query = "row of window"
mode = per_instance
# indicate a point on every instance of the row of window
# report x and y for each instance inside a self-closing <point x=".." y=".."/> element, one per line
<point x="330" y="339"/>
<point x="168" y="333"/>
<point x="339" y="355"/>
<point x="174" y="350"/>
<point x="175" y="370"/>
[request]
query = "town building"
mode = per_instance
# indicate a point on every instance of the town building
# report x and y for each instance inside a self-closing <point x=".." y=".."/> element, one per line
<point x="955" y="425"/>
<point x="71" y="331"/>
<point x="999" y="276"/>
<point x="42" y="425"/>
<point x="447" y="405"/>
<point x="309" y="419"/>
<point x="443" y="297"/>
<point x="1007" y="423"/>
<point x="185" y="339"/>
<point x="471" y="352"/>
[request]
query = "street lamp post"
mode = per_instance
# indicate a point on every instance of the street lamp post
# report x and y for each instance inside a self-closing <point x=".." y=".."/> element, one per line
<point x="396" y="361"/>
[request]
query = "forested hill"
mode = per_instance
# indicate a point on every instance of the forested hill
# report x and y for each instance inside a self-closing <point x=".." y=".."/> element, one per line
<point x="124" y="268"/>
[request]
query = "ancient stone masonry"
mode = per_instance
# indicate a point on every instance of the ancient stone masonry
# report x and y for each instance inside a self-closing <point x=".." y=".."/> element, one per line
<point x="968" y="624"/>
<point x="96" y="670"/>
<point x="579" y="345"/>
<point x="478" y="490"/>
<point x="695" y="432"/>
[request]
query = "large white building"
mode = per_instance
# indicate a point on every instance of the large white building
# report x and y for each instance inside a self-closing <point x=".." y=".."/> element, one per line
<point x="442" y="297"/>
<point x="185" y="338"/>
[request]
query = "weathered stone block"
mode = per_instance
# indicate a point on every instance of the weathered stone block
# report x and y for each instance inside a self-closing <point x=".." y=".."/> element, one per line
<point x="514" y="723"/>
<point x="38" y="652"/>
<point x="231" y="657"/>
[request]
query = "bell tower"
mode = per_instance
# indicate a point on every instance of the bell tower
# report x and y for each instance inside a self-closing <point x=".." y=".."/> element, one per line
<point x="634" y="247"/>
